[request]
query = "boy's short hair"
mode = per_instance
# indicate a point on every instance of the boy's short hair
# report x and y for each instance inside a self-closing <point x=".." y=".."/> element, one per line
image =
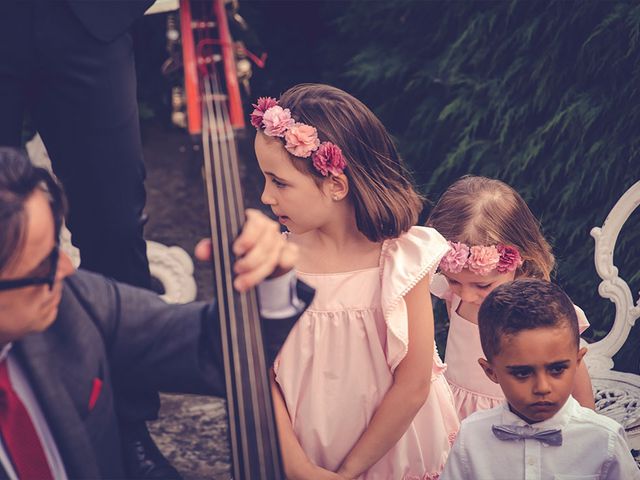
<point x="524" y="305"/>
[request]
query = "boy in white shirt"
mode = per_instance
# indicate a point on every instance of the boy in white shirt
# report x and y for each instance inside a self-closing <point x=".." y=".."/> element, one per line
<point x="529" y="334"/>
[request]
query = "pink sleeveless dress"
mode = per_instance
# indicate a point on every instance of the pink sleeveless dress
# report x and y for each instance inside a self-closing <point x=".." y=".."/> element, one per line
<point x="472" y="389"/>
<point x="338" y="362"/>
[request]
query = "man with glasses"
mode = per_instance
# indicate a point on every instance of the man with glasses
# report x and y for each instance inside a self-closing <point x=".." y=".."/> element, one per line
<point x="44" y="274"/>
<point x="69" y="66"/>
<point x="69" y="339"/>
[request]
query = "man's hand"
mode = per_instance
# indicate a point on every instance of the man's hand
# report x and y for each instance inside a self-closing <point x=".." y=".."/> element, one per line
<point x="261" y="251"/>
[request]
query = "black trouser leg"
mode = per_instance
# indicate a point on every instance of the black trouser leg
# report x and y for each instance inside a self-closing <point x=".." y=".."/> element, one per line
<point x="16" y="50"/>
<point x="86" y="112"/>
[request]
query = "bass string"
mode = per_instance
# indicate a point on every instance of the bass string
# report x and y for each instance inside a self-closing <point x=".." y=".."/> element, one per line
<point x="219" y="277"/>
<point x="239" y="317"/>
<point x="226" y="296"/>
<point x="260" y="393"/>
<point x="231" y="186"/>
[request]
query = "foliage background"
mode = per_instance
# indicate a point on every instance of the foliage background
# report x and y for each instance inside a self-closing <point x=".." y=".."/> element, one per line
<point x="543" y="95"/>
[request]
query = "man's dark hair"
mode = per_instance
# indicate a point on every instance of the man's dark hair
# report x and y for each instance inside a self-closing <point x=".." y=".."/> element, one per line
<point x="524" y="305"/>
<point x="18" y="180"/>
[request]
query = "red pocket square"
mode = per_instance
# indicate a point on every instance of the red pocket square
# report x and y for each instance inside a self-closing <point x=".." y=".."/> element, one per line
<point x="95" y="392"/>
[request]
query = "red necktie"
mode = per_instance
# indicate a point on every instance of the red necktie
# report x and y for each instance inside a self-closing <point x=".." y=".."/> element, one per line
<point x="19" y="435"/>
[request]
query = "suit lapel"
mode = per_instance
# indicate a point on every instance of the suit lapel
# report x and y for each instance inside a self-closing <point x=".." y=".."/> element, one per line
<point x="40" y="365"/>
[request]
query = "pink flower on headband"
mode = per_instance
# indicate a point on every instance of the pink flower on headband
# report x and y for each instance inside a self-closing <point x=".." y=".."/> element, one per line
<point x="301" y="140"/>
<point x="483" y="259"/>
<point x="456" y="258"/>
<point x="262" y="105"/>
<point x="510" y="258"/>
<point x="328" y="159"/>
<point x="276" y="121"/>
<point x="480" y="259"/>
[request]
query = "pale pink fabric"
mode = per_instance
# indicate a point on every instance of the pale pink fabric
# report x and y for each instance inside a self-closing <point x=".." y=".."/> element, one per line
<point x="336" y="365"/>
<point x="472" y="390"/>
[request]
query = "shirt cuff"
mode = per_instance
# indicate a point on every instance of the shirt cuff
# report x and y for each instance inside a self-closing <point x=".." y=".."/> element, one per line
<point x="278" y="297"/>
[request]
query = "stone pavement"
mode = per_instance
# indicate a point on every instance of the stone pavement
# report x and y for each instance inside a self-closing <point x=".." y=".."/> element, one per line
<point x="192" y="433"/>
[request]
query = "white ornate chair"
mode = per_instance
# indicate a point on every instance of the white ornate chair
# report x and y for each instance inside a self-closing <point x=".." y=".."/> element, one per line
<point x="617" y="394"/>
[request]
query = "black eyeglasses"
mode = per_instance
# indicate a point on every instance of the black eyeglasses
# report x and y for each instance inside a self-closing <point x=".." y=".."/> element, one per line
<point x="49" y="279"/>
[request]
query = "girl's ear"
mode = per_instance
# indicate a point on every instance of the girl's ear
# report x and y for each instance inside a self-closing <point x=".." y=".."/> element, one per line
<point x="581" y="354"/>
<point x="488" y="370"/>
<point x="338" y="187"/>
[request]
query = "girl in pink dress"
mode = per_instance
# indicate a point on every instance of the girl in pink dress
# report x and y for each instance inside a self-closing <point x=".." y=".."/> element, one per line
<point x="358" y="387"/>
<point x="494" y="238"/>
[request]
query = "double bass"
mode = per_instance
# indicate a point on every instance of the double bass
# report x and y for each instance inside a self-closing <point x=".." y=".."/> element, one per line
<point x="214" y="114"/>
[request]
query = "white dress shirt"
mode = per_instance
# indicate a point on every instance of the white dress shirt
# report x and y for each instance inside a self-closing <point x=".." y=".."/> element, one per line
<point x="278" y="299"/>
<point x="593" y="447"/>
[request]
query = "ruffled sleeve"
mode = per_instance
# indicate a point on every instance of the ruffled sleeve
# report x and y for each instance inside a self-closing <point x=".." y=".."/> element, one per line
<point x="440" y="287"/>
<point x="583" y="323"/>
<point x="405" y="261"/>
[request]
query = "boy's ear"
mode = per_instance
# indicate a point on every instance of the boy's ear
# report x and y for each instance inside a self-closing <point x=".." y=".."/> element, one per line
<point x="488" y="370"/>
<point x="338" y="186"/>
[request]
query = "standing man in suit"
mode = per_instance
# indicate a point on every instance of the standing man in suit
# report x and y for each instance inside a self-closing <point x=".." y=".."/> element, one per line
<point x="70" y="64"/>
<point x="67" y="338"/>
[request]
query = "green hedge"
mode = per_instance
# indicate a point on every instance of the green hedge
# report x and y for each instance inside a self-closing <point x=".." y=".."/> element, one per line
<point x="543" y="95"/>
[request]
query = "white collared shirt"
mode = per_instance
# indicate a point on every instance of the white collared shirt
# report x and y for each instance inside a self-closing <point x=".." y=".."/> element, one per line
<point x="278" y="297"/>
<point x="593" y="447"/>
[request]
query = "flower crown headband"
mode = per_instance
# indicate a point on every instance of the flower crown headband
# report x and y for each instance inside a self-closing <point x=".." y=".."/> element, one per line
<point x="480" y="259"/>
<point x="300" y="139"/>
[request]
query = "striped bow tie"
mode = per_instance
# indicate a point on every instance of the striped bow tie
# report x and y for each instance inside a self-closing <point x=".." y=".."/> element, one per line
<point x="514" y="432"/>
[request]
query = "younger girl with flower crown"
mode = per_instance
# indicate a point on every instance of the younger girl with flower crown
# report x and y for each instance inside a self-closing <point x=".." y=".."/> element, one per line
<point x="494" y="238"/>
<point x="359" y="390"/>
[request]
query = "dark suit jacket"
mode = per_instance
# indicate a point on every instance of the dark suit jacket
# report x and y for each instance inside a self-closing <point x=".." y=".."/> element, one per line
<point x="106" y="19"/>
<point x="127" y="338"/>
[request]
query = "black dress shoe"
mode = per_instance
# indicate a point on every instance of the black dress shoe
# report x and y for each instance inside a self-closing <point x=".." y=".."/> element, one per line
<point x="142" y="459"/>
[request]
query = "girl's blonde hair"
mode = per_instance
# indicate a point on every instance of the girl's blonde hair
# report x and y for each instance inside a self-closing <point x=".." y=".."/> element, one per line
<point x="483" y="211"/>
